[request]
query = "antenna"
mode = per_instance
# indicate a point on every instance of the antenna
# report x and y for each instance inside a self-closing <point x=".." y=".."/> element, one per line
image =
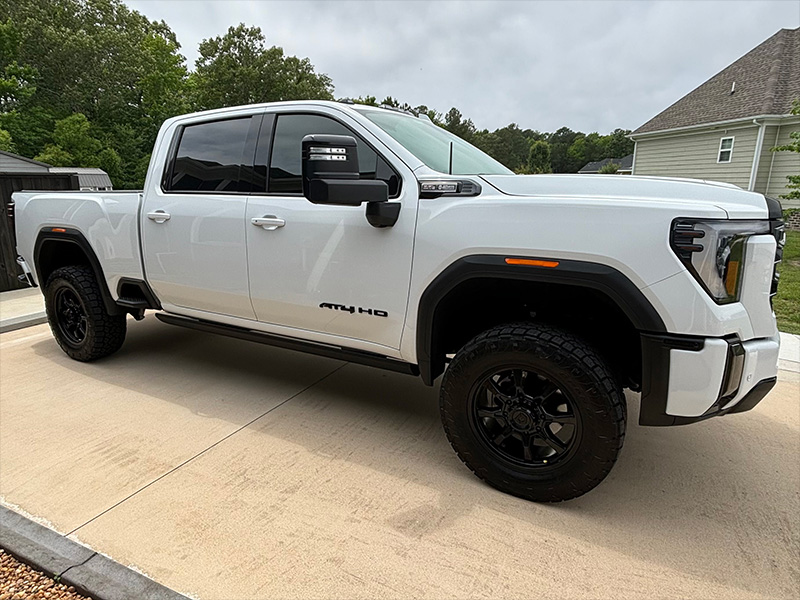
<point x="451" y="158"/>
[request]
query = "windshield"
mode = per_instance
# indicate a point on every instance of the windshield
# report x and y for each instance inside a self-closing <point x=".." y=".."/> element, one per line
<point x="431" y="144"/>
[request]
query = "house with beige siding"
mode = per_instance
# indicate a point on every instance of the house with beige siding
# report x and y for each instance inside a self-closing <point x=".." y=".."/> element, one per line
<point x="725" y="129"/>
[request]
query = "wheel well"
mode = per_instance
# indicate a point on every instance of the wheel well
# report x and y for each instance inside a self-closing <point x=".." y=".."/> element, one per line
<point x="69" y="248"/>
<point x="54" y="254"/>
<point x="478" y="304"/>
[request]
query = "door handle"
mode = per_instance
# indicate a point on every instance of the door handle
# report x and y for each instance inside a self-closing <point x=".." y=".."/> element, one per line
<point x="159" y="216"/>
<point x="268" y="222"/>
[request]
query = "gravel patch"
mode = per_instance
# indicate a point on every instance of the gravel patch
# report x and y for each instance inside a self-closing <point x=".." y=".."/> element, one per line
<point x="18" y="581"/>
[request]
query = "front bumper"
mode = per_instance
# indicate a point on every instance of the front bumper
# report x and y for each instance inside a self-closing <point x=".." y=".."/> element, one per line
<point x="687" y="378"/>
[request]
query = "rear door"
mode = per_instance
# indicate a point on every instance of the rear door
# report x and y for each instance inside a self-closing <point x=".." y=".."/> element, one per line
<point x="193" y="226"/>
<point x="325" y="269"/>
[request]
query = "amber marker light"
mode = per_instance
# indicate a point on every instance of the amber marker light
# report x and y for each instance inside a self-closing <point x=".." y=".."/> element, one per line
<point x="58" y="230"/>
<point x="532" y="263"/>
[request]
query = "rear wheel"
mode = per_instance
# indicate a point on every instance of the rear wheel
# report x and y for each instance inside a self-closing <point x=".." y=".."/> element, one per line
<point x="78" y="317"/>
<point x="533" y="411"/>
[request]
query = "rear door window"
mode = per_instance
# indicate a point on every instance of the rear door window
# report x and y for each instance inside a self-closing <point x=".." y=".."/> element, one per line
<point x="209" y="157"/>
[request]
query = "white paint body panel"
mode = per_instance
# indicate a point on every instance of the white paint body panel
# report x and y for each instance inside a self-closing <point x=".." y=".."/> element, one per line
<point x="695" y="378"/>
<point x="331" y="254"/>
<point x="760" y="362"/>
<point x="108" y="221"/>
<point x="209" y="262"/>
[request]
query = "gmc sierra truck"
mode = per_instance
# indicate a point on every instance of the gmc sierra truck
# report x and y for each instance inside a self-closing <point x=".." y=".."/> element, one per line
<point x="374" y="236"/>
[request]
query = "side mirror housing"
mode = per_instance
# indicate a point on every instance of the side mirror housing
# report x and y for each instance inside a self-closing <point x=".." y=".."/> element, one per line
<point x="331" y="174"/>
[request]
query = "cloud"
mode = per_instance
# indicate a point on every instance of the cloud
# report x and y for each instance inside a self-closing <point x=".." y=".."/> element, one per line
<point x="591" y="66"/>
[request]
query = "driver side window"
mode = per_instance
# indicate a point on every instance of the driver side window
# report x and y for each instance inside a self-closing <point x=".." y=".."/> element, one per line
<point x="285" y="167"/>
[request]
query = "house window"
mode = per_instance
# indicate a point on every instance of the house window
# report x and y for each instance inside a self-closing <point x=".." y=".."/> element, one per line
<point x="725" y="150"/>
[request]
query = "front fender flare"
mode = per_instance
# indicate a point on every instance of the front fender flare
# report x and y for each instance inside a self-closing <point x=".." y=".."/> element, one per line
<point x="600" y="277"/>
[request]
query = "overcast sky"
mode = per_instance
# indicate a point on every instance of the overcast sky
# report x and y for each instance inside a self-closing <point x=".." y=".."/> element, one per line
<point x="590" y="66"/>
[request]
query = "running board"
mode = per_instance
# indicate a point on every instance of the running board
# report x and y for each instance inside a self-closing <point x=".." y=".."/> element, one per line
<point x="355" y="356"/>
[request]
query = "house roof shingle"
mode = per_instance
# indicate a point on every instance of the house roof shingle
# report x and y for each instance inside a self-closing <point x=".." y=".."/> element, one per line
<point x="625" y="164"/>
<point x="767" y="80"/>
<point x="14" y="163"/>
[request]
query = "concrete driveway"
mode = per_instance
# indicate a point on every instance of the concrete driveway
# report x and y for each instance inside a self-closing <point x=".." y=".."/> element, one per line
<point x="225" y="469"/>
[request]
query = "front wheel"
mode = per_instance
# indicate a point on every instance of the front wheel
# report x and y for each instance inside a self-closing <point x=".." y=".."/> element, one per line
<point x="533" y="411"/>
<point x="78" y="317"/>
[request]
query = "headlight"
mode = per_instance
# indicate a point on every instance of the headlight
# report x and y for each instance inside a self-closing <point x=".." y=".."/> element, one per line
<point x="713" y="251"/>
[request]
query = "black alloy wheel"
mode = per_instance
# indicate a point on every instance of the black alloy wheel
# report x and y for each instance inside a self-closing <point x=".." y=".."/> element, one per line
<point x="525" y="417"/>
<point x="534" y="411"/>
<point x="70" y="316"/>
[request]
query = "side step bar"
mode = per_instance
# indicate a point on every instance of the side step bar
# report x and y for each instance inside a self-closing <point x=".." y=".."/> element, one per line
<point x="355" y="356"/>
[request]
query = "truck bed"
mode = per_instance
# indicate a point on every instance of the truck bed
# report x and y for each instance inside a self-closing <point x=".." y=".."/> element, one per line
<point x="107" y="220"/>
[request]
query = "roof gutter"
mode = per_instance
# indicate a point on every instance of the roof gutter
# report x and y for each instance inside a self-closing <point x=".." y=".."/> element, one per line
<point x="757" y="156"/>
<point x="688" y="128"/>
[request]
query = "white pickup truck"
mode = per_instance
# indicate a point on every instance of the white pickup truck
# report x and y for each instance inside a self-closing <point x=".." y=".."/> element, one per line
<point x="376" y="237"/>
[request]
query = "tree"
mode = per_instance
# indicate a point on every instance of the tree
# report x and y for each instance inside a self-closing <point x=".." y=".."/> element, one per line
<point x="560" y="141"/>
<point x="17" y="82"/>
<point x="94" y="57"/>
<point x="539" y="157"/>
<point x="6" y="143"/>
<point x="455" y="123"/>
<point x="792" y="146"/>
<point x="76" y="147"/>
<point x="609" y="168"/>
<point x="617" y="144"/>
<point x="239" y="68"/>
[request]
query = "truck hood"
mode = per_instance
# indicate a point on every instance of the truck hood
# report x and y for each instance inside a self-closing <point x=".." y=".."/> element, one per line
<point x="738" y="203"/>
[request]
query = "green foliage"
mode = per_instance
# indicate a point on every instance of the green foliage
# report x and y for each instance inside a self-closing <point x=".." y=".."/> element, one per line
<point x="508" y="145"/>
<point x="89" y="83"/>
<point x="6" y="143"/>
<point x="238" y="68"/>
<point x="539" y="157"/>
<point x="609" y="168"/>
<point x="792" y="146"/>
<point x="17" y="82"/>
<point x="94" y="57"/>
<point x="787" y="302"/>
<point x="76" y="147"/>
<point x="456" y="124"/>
<point x="55" y="156"/>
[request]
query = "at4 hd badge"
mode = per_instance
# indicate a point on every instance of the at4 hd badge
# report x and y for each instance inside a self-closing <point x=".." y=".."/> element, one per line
<point x="355" y="309"/>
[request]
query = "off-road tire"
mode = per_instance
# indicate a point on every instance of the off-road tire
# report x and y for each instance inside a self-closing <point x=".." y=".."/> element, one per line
<point x="104" y="333"/>
<point x="583" y="375"/>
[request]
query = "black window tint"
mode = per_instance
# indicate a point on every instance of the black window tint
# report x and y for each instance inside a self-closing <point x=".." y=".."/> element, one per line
<point x="285" y="169"/>
<point x="209" y="156"/>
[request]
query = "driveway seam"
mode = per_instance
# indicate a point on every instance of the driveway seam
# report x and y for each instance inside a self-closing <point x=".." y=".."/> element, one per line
<point x="191" y="458"/>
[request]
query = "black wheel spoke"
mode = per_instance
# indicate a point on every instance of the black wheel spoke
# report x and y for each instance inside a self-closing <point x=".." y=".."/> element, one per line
<point x="548" y="389"/>
<point x="558" y="417"/>
<point x="495" y="391"/>
<point x="549" y="438"/>
<point x="527" y="449"/>
<point x="519" y="379"/>
<point x="503" y="435"/>
<point x="492" y="413"/>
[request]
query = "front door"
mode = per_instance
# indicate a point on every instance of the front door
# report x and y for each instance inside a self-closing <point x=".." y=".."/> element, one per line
<point x="320" y="268"/>
<point x="193" y="227"/>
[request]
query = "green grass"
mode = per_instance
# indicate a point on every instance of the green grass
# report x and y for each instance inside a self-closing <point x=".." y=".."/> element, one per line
<point x="787" y="302"/>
